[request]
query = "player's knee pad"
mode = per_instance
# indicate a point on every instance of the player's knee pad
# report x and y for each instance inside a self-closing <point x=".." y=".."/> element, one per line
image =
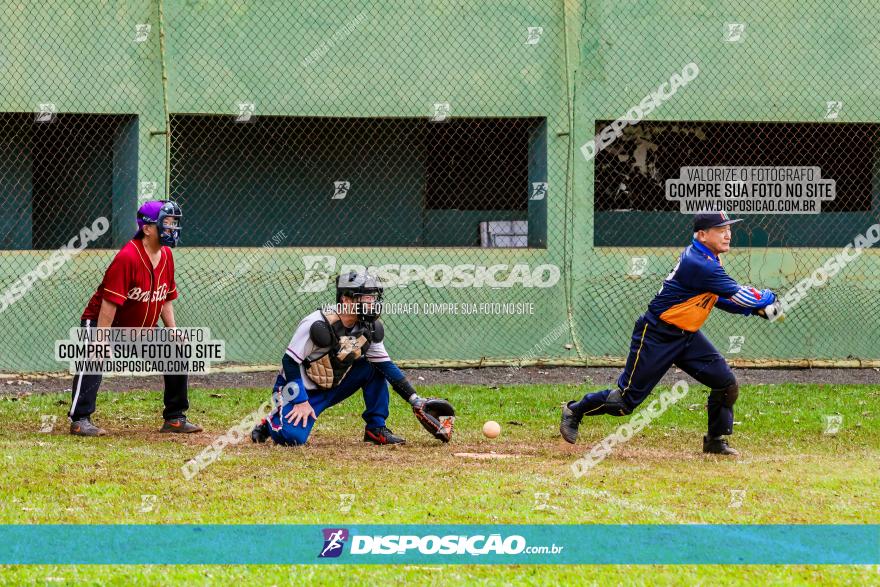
<point x="616" y="405"/>
<point x="731" y="393"/>
<point x="726" y="395"/>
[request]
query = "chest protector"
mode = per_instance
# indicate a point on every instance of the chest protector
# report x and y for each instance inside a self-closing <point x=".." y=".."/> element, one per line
<point x="337" y="350"/>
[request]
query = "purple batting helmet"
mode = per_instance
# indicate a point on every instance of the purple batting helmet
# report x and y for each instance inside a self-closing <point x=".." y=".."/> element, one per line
<point x="155" y="212"/>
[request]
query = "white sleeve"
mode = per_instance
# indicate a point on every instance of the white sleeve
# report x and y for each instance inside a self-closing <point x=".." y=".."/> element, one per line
<point x="301" y="345"/>
<point x="376" y="353"/>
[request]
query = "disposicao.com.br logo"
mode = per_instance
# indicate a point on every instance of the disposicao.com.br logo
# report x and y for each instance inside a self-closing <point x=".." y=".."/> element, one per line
<point x="452" y="544"/>
<point x="320" y="272"/>
<point x="334" y="540"/>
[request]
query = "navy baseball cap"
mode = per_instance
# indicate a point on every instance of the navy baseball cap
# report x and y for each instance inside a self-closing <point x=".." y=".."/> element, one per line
<point x="705" y="220"/>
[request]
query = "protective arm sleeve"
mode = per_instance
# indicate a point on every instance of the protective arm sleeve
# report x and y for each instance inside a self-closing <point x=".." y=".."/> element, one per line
<point x="747" y="301"/>
<point x="733" y="308"/>
<point x="292" y="378"/>
<point x="751" y="298"/>
<point x="717" y="281"/>
<point x="397" y="379"/>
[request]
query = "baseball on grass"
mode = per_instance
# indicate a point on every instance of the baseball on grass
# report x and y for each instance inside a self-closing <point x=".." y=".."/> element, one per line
<point x="491" y="429"/>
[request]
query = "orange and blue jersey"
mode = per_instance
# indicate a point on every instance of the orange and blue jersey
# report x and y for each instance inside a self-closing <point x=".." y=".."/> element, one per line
<point x="696" y="285"/>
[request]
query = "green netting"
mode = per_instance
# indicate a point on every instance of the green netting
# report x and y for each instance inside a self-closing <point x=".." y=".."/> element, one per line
<point x="303" y="137"/>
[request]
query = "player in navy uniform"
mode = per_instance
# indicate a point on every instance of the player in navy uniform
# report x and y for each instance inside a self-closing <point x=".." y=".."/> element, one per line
<point x="332" y="355"/>
<point x="669" y="334"/>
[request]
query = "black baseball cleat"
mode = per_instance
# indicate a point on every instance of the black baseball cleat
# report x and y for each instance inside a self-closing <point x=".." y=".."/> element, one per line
<point x="180" y="426"/>
<point x="718" y="446"/>
<point x="260" y="433"/>
<point x="568" y="427"/>
<point x="381" y="435"/>
<point x="85" y="427"/>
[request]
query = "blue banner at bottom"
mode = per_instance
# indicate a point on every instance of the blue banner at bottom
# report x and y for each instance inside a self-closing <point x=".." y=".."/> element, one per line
<point x="440" y="544"/>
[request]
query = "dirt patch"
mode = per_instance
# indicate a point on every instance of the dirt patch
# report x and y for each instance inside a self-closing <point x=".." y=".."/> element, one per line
<point x="484" y="455"/>
<point x="260" y="379"/>
<point x="486" y="376"/>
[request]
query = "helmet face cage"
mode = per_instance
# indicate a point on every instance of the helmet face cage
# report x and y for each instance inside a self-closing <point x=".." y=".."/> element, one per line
<point x="368" y="312"/>
<point x="355" y="285"/>
<point x="169" y="236"/>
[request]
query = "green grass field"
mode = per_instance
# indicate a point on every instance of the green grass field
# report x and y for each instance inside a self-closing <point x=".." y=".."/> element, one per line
<point x="790" y="472"/>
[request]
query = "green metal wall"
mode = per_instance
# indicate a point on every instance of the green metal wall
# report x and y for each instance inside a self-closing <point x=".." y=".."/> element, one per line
<point x="795" y="56"/>
<point x="594" y="61"/>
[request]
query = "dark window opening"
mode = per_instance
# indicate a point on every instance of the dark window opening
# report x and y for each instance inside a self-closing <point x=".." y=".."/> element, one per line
<point x="631" y="173"/>
<point x="358" y="181"/>
<point x="479" y="164"/>
<point x="60" y="174"/>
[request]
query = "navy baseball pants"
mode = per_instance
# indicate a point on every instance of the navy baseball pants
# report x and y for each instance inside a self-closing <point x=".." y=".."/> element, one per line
<point x="84" y="392"/>
<point x="656" y="346"/>
<point x="361" y="375"/>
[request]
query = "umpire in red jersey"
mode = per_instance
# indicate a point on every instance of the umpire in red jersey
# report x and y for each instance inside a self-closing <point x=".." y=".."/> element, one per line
<point x="138" y="288"/>
<point x="668" y="333"/>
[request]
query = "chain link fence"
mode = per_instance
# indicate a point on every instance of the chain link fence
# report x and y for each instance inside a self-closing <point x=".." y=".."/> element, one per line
<point x="441" y="144"/>
<point x="749" y="89"/>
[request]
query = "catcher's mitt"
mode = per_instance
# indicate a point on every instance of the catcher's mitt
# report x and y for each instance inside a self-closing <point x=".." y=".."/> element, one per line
<point x="436" y="415"/>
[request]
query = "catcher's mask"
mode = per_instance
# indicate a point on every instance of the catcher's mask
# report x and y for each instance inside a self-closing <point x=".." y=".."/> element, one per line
<point x="156" y="212"/>
<point x="365" y="290"/>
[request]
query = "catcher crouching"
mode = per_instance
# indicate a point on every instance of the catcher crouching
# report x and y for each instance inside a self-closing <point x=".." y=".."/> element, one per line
<point x="332" y="355"/>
